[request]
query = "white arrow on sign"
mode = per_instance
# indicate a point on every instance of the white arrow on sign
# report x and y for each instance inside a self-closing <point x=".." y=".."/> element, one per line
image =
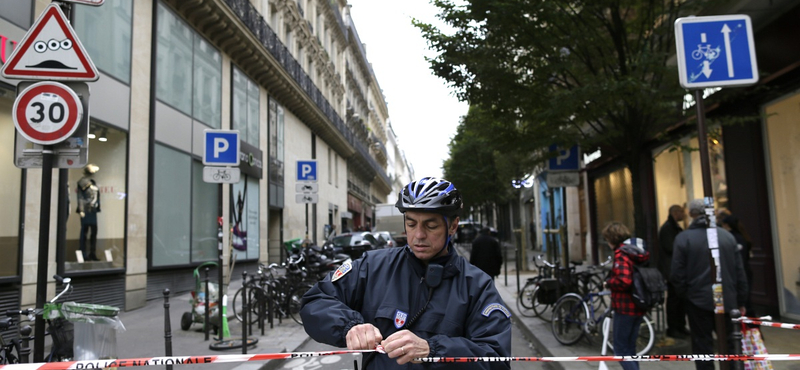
<point x="707" y="69"/>
<point x="726" y="32"/>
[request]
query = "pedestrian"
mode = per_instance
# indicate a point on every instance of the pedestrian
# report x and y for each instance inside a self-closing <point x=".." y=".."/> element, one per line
<point x="744" y="246"/>
<point x="676" y="315"/>
<point x="693" y="278"/>
<point x="486" y="253"/>
<point x="422" y="300"/>
<point x="627" y="316"/>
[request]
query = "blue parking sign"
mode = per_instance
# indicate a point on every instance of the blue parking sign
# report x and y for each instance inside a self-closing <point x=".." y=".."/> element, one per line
<point x="566" y="159"/>
<point x="715" y="51"/>
<point x="221" y="148"/>
<point x="307" y="170"/>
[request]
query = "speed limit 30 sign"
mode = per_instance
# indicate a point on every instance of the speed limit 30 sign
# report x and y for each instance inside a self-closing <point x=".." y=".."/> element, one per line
<point x="47" y="112"/>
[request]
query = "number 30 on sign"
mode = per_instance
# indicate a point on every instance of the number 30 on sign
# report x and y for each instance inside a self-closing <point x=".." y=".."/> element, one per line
<point x="47" y="112"/>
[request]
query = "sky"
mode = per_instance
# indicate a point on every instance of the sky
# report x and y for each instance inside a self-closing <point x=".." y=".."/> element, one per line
<point x="424" y="112"/>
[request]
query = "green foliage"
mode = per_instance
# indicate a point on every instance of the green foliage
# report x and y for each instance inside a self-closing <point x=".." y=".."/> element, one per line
<point x="592" y="72"/>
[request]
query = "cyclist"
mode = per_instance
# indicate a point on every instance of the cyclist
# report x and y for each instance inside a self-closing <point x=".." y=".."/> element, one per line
<point x="423" y="300"/>
<point x="627" y="317"/>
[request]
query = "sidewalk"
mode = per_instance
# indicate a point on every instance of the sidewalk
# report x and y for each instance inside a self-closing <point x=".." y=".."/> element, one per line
<point x="777" y="341"/>
<point x="145" y="336"/>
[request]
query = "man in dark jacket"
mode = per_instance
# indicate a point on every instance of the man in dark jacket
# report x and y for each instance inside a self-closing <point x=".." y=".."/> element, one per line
<point x="422" y="300"/>
<point x="486" y="253"/>
<point x="693" y="279"/>
<point x="676" y="315"/>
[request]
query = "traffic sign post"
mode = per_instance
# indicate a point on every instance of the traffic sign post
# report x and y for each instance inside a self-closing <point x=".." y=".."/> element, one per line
<point x="714" y="51"/>
<point x="47" y="113"/>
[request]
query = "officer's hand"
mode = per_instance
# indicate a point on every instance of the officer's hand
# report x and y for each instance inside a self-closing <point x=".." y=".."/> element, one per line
<point x="82" y="214"/>
<point x="364" y="336"/>
<point x="405" y="346"/>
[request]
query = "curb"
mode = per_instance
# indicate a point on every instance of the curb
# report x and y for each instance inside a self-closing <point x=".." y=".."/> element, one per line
<point x="540" y="348"/>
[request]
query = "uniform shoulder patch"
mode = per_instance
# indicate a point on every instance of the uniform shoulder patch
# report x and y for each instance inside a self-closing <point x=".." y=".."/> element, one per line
<point x="342" y="270"/>
<point x="491" y="307"/>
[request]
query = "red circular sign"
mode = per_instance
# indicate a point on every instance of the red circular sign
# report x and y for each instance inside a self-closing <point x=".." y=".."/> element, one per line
<point x="47" y="112"/>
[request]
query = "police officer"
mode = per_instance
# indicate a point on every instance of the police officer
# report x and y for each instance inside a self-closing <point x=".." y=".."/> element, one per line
<point x="423" y="300"/>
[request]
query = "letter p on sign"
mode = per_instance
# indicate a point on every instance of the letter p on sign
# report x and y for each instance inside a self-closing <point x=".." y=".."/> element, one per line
<point x="307" y="170"/>
<point x="221" y="148"/>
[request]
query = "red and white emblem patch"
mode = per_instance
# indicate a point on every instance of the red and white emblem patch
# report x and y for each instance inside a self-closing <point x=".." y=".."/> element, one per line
<point x="400" y="318"/>
<point x="341" y="271"/>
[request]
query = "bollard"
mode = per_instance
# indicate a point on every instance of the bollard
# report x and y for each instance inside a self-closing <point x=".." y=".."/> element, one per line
<point x="245" y="312"/>
<point x="206" y="322"/>
<point x="270" y="306"/>
<point x="736" y="337"/>
<point x="25" y="349"/>
<point x="167" y="329"/>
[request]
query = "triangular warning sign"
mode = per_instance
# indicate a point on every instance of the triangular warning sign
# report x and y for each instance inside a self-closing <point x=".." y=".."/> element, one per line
<point x="50" y="51"/>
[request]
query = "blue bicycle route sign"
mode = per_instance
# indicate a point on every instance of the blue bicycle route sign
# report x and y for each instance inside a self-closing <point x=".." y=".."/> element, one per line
<point x="715" y="51"/>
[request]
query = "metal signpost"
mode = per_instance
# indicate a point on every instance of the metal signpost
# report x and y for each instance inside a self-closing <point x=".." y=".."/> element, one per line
<point x="220" y="152"/>
<point x="307" y="186"/>
<point x="714" y="51"/>
<point x="562" y="171"/>
<point x="46" y="115"/>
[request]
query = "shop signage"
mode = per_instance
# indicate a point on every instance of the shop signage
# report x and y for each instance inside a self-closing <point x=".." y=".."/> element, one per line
<point x="6" y="47"/>
<point x="50" y="51"/>
<point x="250" y="160"/>
<point x="47" y="113"/>
<point x="562" y="179"/>
<point x="715" y="51"/>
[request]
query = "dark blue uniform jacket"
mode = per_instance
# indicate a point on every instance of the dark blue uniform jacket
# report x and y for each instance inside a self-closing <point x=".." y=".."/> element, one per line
<point x="386" y="287"/>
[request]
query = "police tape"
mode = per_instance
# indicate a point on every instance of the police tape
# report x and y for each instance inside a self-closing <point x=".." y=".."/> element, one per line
<point x="754" y="321"/>
<point x="187" y="360"/>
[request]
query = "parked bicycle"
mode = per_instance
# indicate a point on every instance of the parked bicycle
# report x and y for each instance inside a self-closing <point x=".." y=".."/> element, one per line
<point x="274" y="290"/>
<point x="17" y="349"/>
<point x="575" y="318"/>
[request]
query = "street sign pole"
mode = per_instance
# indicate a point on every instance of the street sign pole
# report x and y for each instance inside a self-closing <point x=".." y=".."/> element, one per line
<point x="702" y="44"/>
<point x="44" y="249"/>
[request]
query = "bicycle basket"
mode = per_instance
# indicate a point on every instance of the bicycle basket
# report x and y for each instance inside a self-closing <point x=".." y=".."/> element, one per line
<point x="548" y="291"/>
<point x="63" y="334"/>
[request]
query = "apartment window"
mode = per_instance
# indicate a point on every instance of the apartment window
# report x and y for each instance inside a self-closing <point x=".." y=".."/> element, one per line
<point x="330" y="166"/>
<point x="188" y="70"/>
<point x="105" y="32"/>
<point x="276" y="168"/>
<point x="185" y="210"/>
<point x="245" y="107"/>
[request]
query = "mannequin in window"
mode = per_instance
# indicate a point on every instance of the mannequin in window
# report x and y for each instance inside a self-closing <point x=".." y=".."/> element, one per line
<point x="88" y="206"/>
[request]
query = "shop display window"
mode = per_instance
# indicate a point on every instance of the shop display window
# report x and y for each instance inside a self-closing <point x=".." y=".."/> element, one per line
<point x="783" y="151"/>
<point x="614" y="197"/>
<point x="679" y="178"/>
<point x="105" y="32"/>
<point x="10" y="191"/>
<point x="95" y="237"/>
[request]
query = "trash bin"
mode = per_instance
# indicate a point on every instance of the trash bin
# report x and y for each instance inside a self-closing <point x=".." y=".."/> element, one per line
<point x="95" y="330"/>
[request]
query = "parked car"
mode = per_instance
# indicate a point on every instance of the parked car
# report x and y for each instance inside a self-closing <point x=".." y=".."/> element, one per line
<point x="385" y="239"/>
<point x="354" y="244"/>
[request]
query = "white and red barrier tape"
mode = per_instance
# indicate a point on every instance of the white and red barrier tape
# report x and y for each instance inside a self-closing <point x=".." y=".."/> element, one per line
<point x="186" y="360"/>
<point x="755" y="321"/>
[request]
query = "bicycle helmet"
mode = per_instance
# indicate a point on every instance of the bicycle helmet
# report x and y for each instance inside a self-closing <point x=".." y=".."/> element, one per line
<point x="430" y="194"/>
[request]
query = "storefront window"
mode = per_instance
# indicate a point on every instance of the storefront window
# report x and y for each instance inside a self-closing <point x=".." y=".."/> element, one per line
<point x="614" y="197"/>
<point x="246" y="107"/>
<point x="679" y="176"/>
<point x="185" y="211"/>
<point x="95" y="237"/>
<point x="249" y="222"/>
<point x="10" y="190"/>
<point x="18" y="12"/>
<point x="783" y="151"/>
<point x="105" y="32"/>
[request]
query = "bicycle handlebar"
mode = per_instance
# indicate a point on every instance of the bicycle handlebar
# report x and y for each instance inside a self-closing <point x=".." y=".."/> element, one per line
<point x="62" y="280"/>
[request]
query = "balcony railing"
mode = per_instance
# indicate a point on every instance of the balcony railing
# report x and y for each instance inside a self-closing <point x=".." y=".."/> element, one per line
<point x="261" y="30"/>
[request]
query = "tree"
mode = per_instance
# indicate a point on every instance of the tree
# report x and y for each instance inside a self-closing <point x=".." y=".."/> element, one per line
<point x="592" y="72"/>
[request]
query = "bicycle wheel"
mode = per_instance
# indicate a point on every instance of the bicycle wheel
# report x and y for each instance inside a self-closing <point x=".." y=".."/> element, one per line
<point x="569" y="319"/>
<point x="254" y="295"/>
<point x="294" y="302"/>
<point x="539" y="308"/>
<point x="645" y="340"/>
<point x="525" y="299"/>
<point x="231" y="344"/>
